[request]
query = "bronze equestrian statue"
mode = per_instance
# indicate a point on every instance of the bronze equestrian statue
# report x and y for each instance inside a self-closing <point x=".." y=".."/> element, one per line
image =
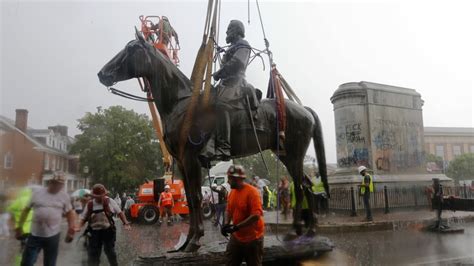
<point x="172" y="91"/>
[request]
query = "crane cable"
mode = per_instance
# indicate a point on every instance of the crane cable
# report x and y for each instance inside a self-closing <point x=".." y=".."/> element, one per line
<point x="202" y="68"/>
<point x="272" y="65"/>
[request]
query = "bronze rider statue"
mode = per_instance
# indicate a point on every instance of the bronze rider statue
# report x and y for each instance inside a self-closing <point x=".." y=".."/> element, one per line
<point x="230" y="90"/>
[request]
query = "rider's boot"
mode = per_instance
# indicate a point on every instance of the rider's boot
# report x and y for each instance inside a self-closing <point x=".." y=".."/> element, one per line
<point x="222" y="146"/>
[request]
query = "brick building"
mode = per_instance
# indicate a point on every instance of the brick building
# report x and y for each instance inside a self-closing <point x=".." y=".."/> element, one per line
<point x="448" y="142"/>
<point x="31" y="156"/>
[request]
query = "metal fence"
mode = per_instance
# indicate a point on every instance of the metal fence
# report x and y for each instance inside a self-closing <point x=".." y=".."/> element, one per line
<point x="388" y="198"/>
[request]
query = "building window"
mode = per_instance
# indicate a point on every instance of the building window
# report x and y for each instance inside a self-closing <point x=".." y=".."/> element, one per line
<point x="456" y="150"/>
<point x="8" y="160"/>
<point x="53" y="167"/>
<point x="46" y="162"/>
<point x="440" y="151"/>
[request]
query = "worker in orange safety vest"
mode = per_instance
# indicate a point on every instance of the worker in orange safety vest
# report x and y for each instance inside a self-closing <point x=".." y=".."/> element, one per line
<point x="166" y="204"/>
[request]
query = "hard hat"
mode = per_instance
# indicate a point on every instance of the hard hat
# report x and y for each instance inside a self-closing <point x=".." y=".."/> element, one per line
<point x="236" y="171"/>
<point x="361" y="168"/>
<point x="214" y="186"/>
<point x="167" y="187"/>
<point x="98" y="190"/>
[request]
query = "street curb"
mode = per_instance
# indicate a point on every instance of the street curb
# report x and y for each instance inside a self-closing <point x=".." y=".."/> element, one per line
<point x="374" y="226"/>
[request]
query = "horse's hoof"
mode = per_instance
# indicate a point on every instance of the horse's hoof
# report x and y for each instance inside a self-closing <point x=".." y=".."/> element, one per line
<point x="192" y="247"/>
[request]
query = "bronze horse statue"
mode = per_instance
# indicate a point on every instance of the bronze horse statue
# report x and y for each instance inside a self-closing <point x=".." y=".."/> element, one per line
<point x="172" y="91"/>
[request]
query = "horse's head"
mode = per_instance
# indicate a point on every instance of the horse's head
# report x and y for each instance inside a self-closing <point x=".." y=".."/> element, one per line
<point x="132" y="62"/>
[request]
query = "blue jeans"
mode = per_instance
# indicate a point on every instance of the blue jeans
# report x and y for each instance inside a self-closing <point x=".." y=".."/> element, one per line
<point x="220" y="210"/>
<point x="34" y="244"/>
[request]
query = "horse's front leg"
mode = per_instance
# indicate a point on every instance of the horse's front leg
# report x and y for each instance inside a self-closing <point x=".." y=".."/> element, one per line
<point x="191" y="170"/>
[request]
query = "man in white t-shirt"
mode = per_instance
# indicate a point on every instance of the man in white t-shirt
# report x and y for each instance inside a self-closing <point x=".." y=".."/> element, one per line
<point x="98" y="213"/>
<point x="49" y="205"/>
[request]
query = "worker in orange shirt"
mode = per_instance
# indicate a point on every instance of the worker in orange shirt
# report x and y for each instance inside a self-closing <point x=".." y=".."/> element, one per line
<point x="166" y="203"/>
<point x="244" y="210"/>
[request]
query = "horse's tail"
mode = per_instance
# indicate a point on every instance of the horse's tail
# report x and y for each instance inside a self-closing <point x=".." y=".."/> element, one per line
<point x="319" y="149"/>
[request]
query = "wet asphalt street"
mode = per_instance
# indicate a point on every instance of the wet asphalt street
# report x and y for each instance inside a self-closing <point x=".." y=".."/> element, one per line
<point x="410" y="246"/>
<point x="407" y="247"/>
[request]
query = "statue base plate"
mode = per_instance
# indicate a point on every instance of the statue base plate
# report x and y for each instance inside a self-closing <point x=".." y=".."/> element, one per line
<point x="276" y="250"/>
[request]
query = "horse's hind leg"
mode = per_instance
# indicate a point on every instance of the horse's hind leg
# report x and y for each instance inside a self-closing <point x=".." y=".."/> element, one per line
<point x="294" y="165"/>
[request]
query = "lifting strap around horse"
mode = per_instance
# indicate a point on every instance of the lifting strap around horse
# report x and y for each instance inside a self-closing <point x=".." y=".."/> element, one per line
<point x="202" y="67"/>
<point x="275" y="91"/>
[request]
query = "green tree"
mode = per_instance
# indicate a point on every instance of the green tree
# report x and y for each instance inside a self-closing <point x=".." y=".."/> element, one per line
<point x="120" y="148"/>
<point x="435" y="159"/>
<point x="254" y="166"/>
<point x="462" y="167"/>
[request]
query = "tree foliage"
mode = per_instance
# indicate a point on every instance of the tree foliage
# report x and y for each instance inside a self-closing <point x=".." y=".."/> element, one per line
<point x="276" y="169"/>
<point x="254" y="166"/>
<point x="119" y="147"/>
<point x="462" y="167"/>
<point x="434" y="159"/>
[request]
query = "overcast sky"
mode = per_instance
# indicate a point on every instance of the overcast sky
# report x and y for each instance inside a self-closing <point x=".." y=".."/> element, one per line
<point x="52" y="51"/>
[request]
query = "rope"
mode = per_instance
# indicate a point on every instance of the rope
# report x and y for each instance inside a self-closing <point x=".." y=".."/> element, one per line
<point x="255" y="133"/>
<point x="270" y="58"/>
<point x="261" y="24"/>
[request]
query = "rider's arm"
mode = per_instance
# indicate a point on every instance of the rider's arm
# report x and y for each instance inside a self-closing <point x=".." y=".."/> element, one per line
<point x="238" y="61"/>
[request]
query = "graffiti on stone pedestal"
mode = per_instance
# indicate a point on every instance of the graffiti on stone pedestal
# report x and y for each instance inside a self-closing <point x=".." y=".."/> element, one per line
<point x="352" y="134"/>
<point x="357" y="157"/>
<point x="385" y="140"/>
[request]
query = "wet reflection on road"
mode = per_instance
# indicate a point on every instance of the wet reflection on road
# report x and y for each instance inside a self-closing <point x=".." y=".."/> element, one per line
<point x="366" y="248"/>
<point x="400" y="248"/>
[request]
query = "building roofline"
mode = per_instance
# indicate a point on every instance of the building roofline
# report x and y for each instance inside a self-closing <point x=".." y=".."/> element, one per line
<point x="450" y="131"/>
<point x="38" y="146"/>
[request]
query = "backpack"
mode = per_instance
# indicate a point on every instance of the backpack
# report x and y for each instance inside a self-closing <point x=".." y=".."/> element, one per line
<point x="105" y="209"/>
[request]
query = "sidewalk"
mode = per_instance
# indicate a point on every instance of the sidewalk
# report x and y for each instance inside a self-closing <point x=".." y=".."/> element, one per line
<point x="395" y="220"/>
